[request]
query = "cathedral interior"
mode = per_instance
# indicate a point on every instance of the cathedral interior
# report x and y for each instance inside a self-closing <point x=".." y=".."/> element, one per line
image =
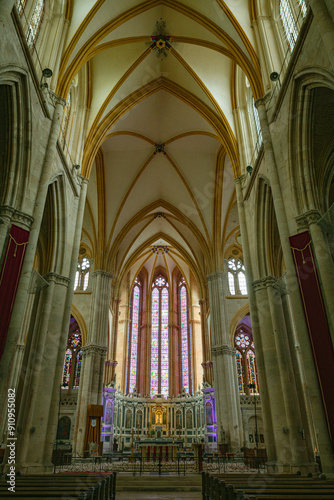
<point x="166" y="229"/>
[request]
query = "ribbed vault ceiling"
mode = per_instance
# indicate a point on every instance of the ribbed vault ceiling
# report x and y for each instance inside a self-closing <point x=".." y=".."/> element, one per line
<point x="138" y="99"/>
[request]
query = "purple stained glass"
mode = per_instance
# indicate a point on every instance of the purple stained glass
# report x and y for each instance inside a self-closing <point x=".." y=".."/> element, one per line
<point x="75" y="340"/>
<point x="164" y="342"/>
<point x="155" y="342"/>
<point x="184" y="338"/>
<point x="240" y="371"/>
<point x="67" y="369"/>
<point x="77" y="372"/>
<point x="134" y="338"/>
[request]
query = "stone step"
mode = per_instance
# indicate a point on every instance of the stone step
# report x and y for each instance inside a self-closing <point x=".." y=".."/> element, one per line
<point x="152" y="483"/>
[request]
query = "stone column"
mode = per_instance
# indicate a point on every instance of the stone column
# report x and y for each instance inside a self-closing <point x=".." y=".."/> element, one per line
<point x="207" y="363"/>
<point x="309" y="221"/>
<point x="299" y="452"/>
<point x="21" y="294"/>
<point x="53" y="414"/>
<point x="224" y="364"/>
<point x="40" y="361"/>
<point x="94" y="353"/>
<point x="322" y="16"/>
<point x="6" y="8"/>
<point x="299" y="322"/>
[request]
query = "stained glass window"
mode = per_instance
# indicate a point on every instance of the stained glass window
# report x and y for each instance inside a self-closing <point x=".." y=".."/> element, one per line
<point x="252" y="370"/>
<point x="164" y="342"/>
<point x="133" y="338"/>
<point x="67" y="369"/>
<point x="240" y="371"/>
<point x="20" y="5"/>
<point x="160" y="338"/>
<point x="66" y="120"/>
<point x="185" y="339"/>
<point x="288" y="22"/>
<point x="73" y="357"/>
<point x="82" y="275"/>
<point x="236" y="277"/>
<point x="77" y="371"/>
<point x="257" y="122"/>
<point x="303" y="7"/>
<point x="246" y="360"/>
<point x="35" y="24"/>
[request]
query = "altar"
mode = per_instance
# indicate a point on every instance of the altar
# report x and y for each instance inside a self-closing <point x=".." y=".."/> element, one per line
<point x="153" y="449"/>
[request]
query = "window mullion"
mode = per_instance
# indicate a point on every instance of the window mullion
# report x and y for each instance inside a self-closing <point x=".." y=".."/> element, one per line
<point x="159" y="337"/>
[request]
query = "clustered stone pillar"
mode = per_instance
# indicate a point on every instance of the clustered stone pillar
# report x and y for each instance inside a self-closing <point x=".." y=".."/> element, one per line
<point x="21" y="295"/>
<point x="298" y="322"/>
<point x="93" y="354"/>
<point x="39" y="365"/>
<point x="224" y="365"/>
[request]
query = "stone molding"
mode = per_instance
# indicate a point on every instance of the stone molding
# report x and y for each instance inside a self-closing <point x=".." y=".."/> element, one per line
<point x="216" y="275"/>
<point x="241" y="179"/>
<point x="57" y="278"/>
<point x="110" y="362"/>
<point x="20" y="347"/>
<point x="194" y="322"/>
<point x="305" y="220"/>
<point x="94" y="350"/>
<point x="223" y="350"/>
<point x="69" y="401"/>
<point x="105" y="274"/>
<point x="55" y="99"/>
<point x="265" y="99"/>
<point x="263" y="283"/>
<point x="16" y="216"/>
<point x="249" y="400"/>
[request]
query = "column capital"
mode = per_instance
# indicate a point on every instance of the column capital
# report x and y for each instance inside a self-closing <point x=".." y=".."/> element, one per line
<point x="57" y="279"/>
<point x="222" y="350"/>
<point x="94" y="350"/>
<point x="216" y="275"/>
<point x="83" y="180"/>
<point x="55" y="99"/>
<point x="263" y="100"/>
<point x="306" y="219"/>
<point x="263" y="283"/>
<point x="241" y="179"/>
<point x="15" y="216"/>
<point x="105" y="274"/>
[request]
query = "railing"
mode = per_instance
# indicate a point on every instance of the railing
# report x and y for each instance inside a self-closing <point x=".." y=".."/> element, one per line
<point x="180" y="466"/>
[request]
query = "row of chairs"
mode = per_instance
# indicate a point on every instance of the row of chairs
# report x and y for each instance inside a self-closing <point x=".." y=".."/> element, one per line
<point x="265" y="487"/>
<point x="65" y="486"/>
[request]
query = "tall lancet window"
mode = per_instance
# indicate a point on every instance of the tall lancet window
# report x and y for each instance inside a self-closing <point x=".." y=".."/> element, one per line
<point x="20" y="5"/>
<point x="288" y="22"/>
<point x="35" y="24"/>
<point x="73" y="357"/>
<point x="131" y="379"/>
<point x="160" y="338"/>
<point x="246" y="360"/>
<point x="185" y="338"/>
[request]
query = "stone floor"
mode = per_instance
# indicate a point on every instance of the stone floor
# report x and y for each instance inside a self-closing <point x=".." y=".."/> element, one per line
<point x="158" y="496"/>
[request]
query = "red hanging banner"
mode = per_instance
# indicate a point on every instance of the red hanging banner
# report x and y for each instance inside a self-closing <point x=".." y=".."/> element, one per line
<point x="316" y="318"/>
<point x="9" y="277"/>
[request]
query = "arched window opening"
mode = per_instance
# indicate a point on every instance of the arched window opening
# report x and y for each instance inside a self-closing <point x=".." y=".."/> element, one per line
<point x="66" y="120"/>
<point x="133" y="338"/>
<point x="288" y="22"/>
<point x="245" y="358"/>
<point x="257" y="122"/>
<point x="236" y="277"/>
<point x="73" y="357"/>
<point x="20" y="5"/>
<point x="185" y="338"/>
<point x="303" y="7"/>
<point x="82" y="275"/>
<point x="159" y="338"/>
<point x="35" y="24"/>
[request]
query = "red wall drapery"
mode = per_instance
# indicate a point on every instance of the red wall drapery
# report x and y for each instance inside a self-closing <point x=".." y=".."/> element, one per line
<point x="9" y="277"/>
<point x="316" y="318"/>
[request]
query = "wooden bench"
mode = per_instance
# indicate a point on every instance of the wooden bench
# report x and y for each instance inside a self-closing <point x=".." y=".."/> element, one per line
<point x="82" y="486"/>
<point x="264" y="487"/>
